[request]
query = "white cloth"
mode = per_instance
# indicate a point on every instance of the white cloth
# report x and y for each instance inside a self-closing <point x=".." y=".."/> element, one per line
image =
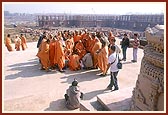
<point x="111" y="59"/>
<point x="87" y="60"/>
<point x="117" y="50"/>
<point x="135" y="50"/>
<point x="17" y="39"/>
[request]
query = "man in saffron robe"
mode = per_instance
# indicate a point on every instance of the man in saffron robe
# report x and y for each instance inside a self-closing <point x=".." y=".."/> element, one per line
<point x="77" y="37"/>
<point x="17" y="43"/>
<point x="52" y="51"/>
<point x="43" y="54"/>
<point x="23" y="42"/>
<point x="111" y="36"/>
<point x="80" y="49"/>
<point x="103" y="58"/>
<point x="60" y="55"/>
<point x="87" y="42"/>
<point x="74" y="63"/>
<point x="84" y="36"/>
<point x="8" y="43"/>
<point x="69" y="44"/>
<point x="96" y="47"/>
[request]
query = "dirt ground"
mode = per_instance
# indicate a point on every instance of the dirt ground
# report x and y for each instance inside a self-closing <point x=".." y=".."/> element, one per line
<point x="26" y="88"/>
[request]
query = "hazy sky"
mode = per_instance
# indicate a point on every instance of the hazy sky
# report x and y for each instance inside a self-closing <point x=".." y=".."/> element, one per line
<point x="86" y="8"/>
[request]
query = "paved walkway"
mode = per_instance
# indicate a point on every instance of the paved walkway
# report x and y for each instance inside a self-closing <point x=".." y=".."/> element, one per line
<point x="26" y="88"/>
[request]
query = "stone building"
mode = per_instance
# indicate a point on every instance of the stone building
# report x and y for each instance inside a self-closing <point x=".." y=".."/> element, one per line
<point x="148" y="95"/>
<point x="131" y="22"/>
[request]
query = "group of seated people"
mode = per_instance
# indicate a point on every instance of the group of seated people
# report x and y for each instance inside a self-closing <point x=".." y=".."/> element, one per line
<point x="75" y="50"/>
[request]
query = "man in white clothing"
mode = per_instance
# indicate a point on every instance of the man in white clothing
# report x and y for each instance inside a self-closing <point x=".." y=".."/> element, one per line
<point x="112" y="64"/>
<point x="87" y="61"/>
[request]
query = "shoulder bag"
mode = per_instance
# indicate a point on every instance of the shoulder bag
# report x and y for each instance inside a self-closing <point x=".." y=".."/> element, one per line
<point x="119" y="64"/>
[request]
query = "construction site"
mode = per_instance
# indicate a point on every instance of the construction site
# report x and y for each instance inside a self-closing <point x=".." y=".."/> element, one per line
<point x="129" y="22"/>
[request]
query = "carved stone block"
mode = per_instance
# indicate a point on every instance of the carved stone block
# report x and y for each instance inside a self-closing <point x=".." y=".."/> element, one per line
<point x="148" y="95"/>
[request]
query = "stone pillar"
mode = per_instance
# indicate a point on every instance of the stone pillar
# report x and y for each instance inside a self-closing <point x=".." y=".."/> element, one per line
<point x="148" y="95"/>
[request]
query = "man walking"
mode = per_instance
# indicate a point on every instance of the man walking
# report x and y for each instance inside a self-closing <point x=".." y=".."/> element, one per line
<point x="8" y="43"/>
<point x="124" y="45"/>
<point x="23" y="42"/>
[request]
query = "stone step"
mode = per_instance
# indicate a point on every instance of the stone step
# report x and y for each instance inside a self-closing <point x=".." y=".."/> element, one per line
<point x="86" y="106"/>
<point x="119" y="100"/>
<point x="91" y="105"/>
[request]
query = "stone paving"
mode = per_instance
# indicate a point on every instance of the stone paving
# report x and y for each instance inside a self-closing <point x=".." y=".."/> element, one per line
<point x="26" y="88"/>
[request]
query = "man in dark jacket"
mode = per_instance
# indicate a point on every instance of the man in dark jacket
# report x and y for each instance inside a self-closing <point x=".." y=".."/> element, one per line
<point x="73" y="96"/>
<point x="125" y="43"/>
<point x="40" y="39"/>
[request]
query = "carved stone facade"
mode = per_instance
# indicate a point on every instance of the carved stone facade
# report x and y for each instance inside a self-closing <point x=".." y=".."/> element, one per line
<point x="148" y="95"/>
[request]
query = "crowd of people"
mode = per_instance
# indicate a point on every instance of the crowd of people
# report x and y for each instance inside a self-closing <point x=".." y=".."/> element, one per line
<point x="75" y="50"/>
<point x="79" y="50"/>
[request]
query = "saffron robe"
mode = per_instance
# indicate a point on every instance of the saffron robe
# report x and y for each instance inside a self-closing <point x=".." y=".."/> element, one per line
<point x="74" y="63"/>
<point x="80" y="49"/>
<point x="52" y="54"/>
<point x="60" y="55"/>
<point x="8" y="44"/>
<point x="111" y="36"/>
<point x="87" y="42"/>
<point x="77" y="38"/>
<point x="103" y="59"/>
<point x="17" y="44"/>
<point x="69" y="47"/>
<point x="97" y="46"/>
<point x="23" y="43"/>
<point x="43" y="54"/>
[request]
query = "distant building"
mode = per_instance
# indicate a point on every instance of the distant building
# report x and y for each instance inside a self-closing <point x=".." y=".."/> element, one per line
<point x="18" y="18"/>
<point x="131" y="22"/>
